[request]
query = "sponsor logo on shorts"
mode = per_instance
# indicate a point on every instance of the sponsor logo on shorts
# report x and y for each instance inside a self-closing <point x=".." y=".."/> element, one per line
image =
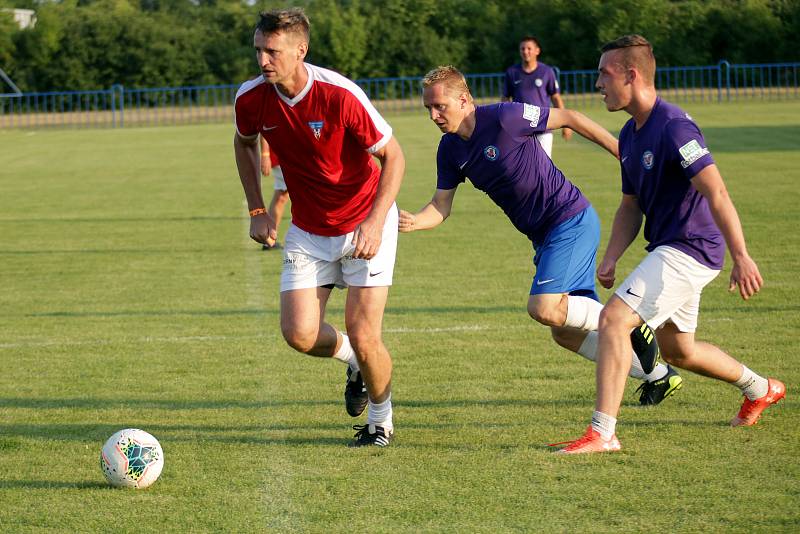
<point x="491" y="152"/>
<point x="648" y="159"/>
<point x="629" y="292"/>
<point x="531" y="113"/>
<point x="691" y="152"/>
<point x="375" y="274"/>
<point x="543" y="282"/>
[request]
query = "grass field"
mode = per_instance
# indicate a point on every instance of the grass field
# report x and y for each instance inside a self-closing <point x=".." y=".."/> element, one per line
<point x="132" y="296"/>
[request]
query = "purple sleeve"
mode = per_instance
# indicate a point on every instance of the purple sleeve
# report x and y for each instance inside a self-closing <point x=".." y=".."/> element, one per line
<point x="507" y="83"/>
<point x="523" y="120"/>
<point x="684" y="143"/>
<point x="552" y="83"/>
<point x="627" y="186"/>
<point x="448" y="175"/>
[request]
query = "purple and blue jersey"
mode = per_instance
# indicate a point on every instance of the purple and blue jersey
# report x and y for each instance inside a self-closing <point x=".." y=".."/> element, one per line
<point x="533" y="87"/>
<point x="503" y="159"/>
<point x="658" y="162"/>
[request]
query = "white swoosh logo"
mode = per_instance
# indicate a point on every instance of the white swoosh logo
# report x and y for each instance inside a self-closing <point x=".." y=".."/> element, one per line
<point x="624" y="158"/>
<point x="542" y="282"/>
<point x="463" y="164"/>
<point x="517" y="81"/>
<point x="268" y="128"/>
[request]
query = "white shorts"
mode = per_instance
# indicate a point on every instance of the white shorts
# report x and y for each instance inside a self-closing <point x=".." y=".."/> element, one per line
<point x="546" y="141"/>
<point x="311" y="260"/>
<point x="666" y="286"/>
<point x="277" y="173"/>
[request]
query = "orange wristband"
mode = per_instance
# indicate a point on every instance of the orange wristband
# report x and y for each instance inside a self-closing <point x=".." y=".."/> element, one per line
<point x="257" y="211"/>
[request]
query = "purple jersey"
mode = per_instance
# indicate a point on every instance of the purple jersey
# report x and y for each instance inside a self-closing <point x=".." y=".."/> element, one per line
<point x="531" y="87"/>
<point x="504" y="160"/>
<point x="658" y="162"/>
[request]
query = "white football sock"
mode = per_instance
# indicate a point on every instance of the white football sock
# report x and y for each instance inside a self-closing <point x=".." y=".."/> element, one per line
<point x="588" y="350"/>
<point x="583" y="313"/>
<point x="752" y="385"/>
<point x="604" y="424"/>
<point x="346" y="353"/>
<point x="380" y="413"/>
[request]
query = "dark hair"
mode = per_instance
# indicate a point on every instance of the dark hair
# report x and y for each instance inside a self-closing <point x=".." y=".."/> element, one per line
<point x="292" y="20"/>
<point x="636" y="52"/>
<point x="530" y="38"/>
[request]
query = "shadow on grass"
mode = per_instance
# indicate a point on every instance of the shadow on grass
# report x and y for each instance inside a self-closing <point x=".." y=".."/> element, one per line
<point x="52" y="484"/>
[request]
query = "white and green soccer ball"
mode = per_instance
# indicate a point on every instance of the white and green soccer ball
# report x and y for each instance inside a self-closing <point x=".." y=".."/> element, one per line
<point x="131" y="458"/>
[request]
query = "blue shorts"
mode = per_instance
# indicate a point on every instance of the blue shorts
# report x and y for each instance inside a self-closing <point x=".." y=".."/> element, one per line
<point x="565" y="261"/>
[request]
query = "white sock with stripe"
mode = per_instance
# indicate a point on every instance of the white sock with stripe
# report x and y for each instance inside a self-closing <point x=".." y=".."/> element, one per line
<point x="752" y="385"/>
<point x="604" y="424"/>
<point x="380" y="413"/>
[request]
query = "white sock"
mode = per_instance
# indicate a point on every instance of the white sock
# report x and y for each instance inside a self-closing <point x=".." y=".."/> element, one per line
<point x="588" y="350"/>
<point x="380" y="413"/>
<point x="583" y="313"/>
<point x="604" y="424"/>
<point x="346" y="353"/>
<point x="752" y="385"/>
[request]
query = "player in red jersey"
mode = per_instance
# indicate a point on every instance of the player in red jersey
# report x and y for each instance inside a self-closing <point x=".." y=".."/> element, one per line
<point x="344" y="219"/>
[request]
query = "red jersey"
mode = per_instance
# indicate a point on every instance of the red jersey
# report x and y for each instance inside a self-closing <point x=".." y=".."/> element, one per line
<point x="324" y="136"/>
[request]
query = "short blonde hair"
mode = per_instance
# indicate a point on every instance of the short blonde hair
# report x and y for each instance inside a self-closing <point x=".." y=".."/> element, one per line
<point x="636" y="52"/>
<point x="454" y="82"/>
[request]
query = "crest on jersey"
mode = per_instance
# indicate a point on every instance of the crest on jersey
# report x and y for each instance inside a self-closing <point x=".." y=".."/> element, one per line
<point x="491" y="152"/>
<point x="647" y="160"/>
<point x="538" y="82"/>
<point x="316" y="127"/>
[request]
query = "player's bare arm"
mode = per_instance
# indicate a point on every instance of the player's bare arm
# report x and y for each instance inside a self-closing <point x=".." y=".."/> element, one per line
<point x="558" y="102"/>
<point x="431" y="215"/>
<point x="368" y="234"/>
<point x="745" y="272"/>
<point x="586" y="127"/>
<point x="266" y="164"/>
<point x="627" y="222"/>
<point x="262" y="227"/>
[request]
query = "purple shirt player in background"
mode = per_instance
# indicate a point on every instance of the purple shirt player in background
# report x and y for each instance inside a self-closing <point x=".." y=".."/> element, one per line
<point x="532" y="82"/>
<point x="668" y="176"/>
<point x="494" y="147"/>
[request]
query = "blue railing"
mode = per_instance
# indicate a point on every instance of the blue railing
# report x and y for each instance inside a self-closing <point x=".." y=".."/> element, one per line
<point x="119" y="107"/>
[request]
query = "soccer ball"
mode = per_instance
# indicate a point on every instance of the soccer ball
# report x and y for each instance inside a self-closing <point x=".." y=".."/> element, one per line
<point x="131" y="458"/>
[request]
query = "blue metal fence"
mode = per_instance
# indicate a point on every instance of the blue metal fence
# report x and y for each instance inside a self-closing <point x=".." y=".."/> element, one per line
<point x="119" y="107"/>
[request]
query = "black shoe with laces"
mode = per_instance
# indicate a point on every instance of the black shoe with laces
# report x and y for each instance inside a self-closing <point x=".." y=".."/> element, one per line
<point x="658" y="390"/>
<point x="355" y="393"/>
<point x="368" y="435"/>
<point x="644" y="344"/>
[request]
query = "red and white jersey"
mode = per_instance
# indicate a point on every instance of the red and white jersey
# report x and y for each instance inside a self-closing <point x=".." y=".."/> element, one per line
<point x="324" y="136"/>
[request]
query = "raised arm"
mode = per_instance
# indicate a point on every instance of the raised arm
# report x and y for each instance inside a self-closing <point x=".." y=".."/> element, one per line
<point x="586" y="127"/>
<point x="431" y="215"/>
<point x="262" y="227"/>
<point x="367" y="236"/>
<point x="627" y="222"/>
<point x="745" y="271"/>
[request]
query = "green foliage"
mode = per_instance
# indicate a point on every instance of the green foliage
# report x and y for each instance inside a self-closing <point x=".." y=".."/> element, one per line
<point x="83" y="44"/>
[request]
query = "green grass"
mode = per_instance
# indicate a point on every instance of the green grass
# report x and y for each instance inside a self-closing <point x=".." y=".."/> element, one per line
<point x="132" y="296"/>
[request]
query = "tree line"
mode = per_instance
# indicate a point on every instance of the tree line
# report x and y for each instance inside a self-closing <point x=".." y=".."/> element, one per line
<point x="90" y="44"/>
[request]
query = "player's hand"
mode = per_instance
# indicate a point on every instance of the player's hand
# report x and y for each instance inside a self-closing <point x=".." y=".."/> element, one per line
<point x="406" y="221"/>
<point x="367" y="239"/>
<point x="263" y="230"/>
<point x="566" y="133"/>
<point x="745" y="275"/>
<point x="266" y="165"/>
<point x="606" y="273"/>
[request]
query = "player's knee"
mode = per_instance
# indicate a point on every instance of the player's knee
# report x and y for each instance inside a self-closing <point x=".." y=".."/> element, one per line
<point x="546" y="315"/>
<point x="614" y="319"/>
<point x="301" y="340"/>
<point x="364" y="342"/>
<point x="561" y="337"/>
<point x="675" y="356"/>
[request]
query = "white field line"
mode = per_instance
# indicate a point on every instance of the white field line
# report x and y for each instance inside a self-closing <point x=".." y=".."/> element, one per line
<point x="266" y="336"/>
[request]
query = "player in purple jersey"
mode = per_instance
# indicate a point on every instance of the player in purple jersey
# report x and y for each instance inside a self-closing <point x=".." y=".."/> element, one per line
<point x="669" y="176"/>
<point x="532" y="82"/>
<point x="494" y="147"/>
